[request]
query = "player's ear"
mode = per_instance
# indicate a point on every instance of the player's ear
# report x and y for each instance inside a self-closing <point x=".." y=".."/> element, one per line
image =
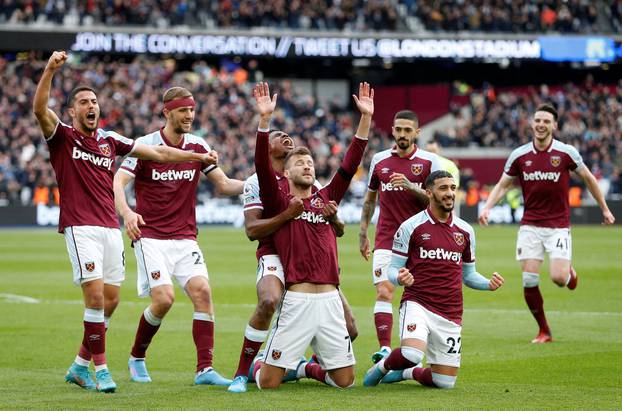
<point x="72" y="112"/>
<point x="286" y="173"/>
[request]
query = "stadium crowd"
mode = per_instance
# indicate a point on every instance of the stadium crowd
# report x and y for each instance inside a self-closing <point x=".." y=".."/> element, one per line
<point x="590" y="118"/>
<point x="130" y="97"/>
<point x="568" y="16"/>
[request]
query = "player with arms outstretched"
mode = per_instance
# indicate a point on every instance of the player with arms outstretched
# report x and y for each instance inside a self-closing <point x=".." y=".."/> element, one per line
<point x="542" y="168"/>
<point x="433" y="254"/>
<point x="83" y="159"/>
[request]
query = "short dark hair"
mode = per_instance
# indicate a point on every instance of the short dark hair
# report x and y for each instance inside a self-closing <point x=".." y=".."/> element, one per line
<point x="72" y="95"/>
<point x="407" y="115"/>
<point x="549" y="108"/>
<point x="273" y="133"/>
<point x="429" y="182"/>
<point x="298" y="151"/>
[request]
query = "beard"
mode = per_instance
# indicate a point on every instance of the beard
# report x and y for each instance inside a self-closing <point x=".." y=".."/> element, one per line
<point x="441" y="205"/>
<point x="89" y="128"/>
<point x="301" y="182"/>
<point x="403" y="143"/>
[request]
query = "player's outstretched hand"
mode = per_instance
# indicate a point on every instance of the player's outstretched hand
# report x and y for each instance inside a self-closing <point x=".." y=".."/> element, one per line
<point x="495" y="282"/>
<point x="608" y="218"/>
<point x="265" y="105"/>
<point x="405" y="278"/>
<point x="483" y="217"/>
<point x="364" y="246"/>
<point x="210" y="158"/>
<point x="132" y="222"/>
<point x="330" y="210"/>
<point x="365" y="100"/>
<point x="57" y="59"/>
<point x="295" y="207"/>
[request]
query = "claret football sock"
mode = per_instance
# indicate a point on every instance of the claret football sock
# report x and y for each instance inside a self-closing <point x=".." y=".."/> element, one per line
<point x="534" y="301"/>
<point x="423" y="376"/>
<point x="315" y="371"/>
<point x="383" y="319"/>
<point x="253" y="339"/>
<point x="148" y="326"/>
<point x="203" y="335"/>
<point x="95" y="334"/>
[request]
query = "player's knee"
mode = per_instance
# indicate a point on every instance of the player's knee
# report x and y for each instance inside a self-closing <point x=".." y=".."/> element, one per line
<point x="266" y="306"/>
<point x="560" y="278"/>
<point x="384" y="292"/>
<point x="412" y="354"/>
<point x="200" y="293"/>
<point x="94" y="300"/>
<point x="342" y="380"/>
<point x="164" y="301"/>
<point x="444" y="381"/>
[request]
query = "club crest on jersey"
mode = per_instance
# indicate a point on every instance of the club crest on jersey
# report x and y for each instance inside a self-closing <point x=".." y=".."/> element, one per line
<point x="155" y="275"/>
<point x="105" y="149"/>
<point x="416" y="168"/>
<point x="317" y="202"/>
<point x="556" y="161"/>
<point x="276" y="354"/>
<point x="459" y="237"/>
<point x="411" y="327"/>
<point x="90" y="266"/>
<point x="377" y="272"/>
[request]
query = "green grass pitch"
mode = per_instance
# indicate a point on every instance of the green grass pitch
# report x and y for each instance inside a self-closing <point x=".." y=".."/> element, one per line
<point x="39" y="335"/>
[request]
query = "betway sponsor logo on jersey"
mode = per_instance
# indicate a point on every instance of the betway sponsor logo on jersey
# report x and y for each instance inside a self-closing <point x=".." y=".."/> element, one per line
<point x="172" y="175"/>
<point x="542" y="176"/>
<point x="312" y="218"/>
<point x="391" y="187"/>
<point x="78" y="154"/>
<point x="440" y="254"/>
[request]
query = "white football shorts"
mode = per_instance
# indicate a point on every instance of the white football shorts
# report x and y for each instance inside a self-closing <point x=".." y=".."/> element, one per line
<point x="443" y="337"/>
<point x="270" y="265"/>
<point x="533" y="242"/>
<point x="96" y="253"/>
<point x="310" y="319"/>
<point x="381" y="261"/>
<point x="159" y="260"/>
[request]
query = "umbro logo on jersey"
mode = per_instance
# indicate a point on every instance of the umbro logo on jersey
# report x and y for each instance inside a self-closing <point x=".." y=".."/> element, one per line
<point x="385" y="170"/>
<point x="172" y="175"/>
<point x="542" y="176"/>
<point x="528" y="163"/>
<point x="426" y="236"/>
<point x="78" y="154"/>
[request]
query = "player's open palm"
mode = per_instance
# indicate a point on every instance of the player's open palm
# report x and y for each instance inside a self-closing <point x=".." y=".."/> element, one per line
<point x="132" y="222"/>
<point x="405" y="278"/>
<point x="57" y="59"/>
<point x="496" y="281"/>
<point x="365" y="100"/>
<point x="265" y="104"/>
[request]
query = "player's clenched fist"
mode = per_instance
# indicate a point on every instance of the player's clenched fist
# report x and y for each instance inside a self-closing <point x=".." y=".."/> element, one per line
<point x="404" y="277"/>
<point x="132" y="222"/>
<point x="330" y="211"/>
<point x="495" y="282"/>
<point x="295" y="207"/>
<point x="483" y="217"/>
<point x="57" y="59"/>
<point x="210" y="158"/>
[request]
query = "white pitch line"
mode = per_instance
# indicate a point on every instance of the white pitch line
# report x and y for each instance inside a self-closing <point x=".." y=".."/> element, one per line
<point x="22" y="299"/>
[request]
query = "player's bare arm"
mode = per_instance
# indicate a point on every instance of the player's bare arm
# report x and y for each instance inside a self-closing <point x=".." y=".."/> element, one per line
<point x="497" y="193"/>
<point x="163" y="154"/>
<point x="330" y="214"/>
<point x="369" y="206"/>
<point x="592" y="185"/>
<point x="225" y="186"/>
<point x="131" y="220"/>
<point x="399" y="180"/>
<point x="45" y="116"/>
<point x="257" y="227"/>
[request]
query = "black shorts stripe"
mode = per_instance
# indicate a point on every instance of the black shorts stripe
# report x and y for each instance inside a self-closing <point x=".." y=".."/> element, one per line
<point x="276" y="323"/>
<point x="405" y="308"/>
<point x="75" y="245"/>
<point x="142" y="256"/>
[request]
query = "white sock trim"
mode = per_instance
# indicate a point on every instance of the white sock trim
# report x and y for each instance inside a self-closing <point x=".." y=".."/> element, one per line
<point x="151" y="318"/>
<point x="330" y="381"/>
<point x="412" y="354"/>
<point x="101" y="367"/>
<point x="106" y="322"/>
<point x="381" y="366"/>
<point x="81" y="361"/>
<point x="444" y="381"/>
<point x="383" y="307"/>
<point x="257" y="378"/>
<point x="94" y="316"/>
<point x="530" y="280"/>
<point x="202" y="316"/>
<point x="255" y="335"/>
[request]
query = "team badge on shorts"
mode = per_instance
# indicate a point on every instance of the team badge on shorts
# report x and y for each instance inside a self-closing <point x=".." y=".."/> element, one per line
<point x="276" y="354"/>
<point x="90" y="266"/>
<point x="411" y="327"/>
<point x="271" y="268"/>
<point x="317" y="203"/>
<point x="155" y="275"/>
<point x="105" y="149"/>
<point x="556" y="160"/>
<point x="416" y="168"/>
<point x="459" y="237"/>
<point x="378" y="272"/>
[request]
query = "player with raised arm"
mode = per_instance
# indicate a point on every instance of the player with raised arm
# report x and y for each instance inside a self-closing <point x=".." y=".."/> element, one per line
<point x="83" y="158"/>
<point x="542" y="168"/>
<point x="164" y="234"/>
<point x="270" y="276"/>
<point x="433" y="254"/>
<point x="311" y="312"/>
<point x="396" y="179"/>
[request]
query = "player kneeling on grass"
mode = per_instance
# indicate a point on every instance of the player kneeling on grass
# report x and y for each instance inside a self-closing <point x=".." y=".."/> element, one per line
<point x="433" y="254"/>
